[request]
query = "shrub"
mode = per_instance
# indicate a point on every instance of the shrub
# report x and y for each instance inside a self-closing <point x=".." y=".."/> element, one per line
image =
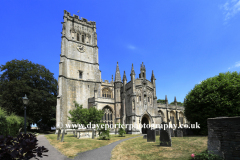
<point x="3" y="122"/>
<point x="207" y="155"/>
<point x="14" y="123"/>
<point x="121" y="131"/>
<point x="84" y="116"/>
<point x="10" y="125"/>
<point x="22" y="147"/>
<point x="104" y="132"/>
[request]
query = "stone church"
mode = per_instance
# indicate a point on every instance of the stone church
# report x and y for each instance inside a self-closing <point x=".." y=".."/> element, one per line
<point x="127" y="102"/>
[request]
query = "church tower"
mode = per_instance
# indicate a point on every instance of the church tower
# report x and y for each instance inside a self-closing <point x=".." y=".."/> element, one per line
<point x="79" y="74"/>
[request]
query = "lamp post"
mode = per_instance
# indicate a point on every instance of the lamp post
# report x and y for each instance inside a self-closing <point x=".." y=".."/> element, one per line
<point x="25" y="102"/>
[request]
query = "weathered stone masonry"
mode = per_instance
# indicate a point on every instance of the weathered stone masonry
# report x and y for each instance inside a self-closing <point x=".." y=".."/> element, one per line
<point x="133" y="102"/>
<point x="224" y="137"/>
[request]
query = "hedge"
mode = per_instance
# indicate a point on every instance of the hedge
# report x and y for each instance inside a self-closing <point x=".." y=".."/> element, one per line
<point x="11" y="124"/>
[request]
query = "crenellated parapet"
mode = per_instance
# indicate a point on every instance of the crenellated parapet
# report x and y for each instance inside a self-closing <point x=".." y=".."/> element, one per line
<point x="78" y="20"/>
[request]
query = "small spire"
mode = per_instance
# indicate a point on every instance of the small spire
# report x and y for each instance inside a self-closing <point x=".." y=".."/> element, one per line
<point x="124" y="76"/>
<point x="152" y="77"/>
<point x="175" y="100"/>
<point x="152" y="73"/>
<point x="166" y="100"/>
<point x="142" y="67"/>
<point x="132" y="71"/>
<point x="112" y="78"/>
<point x="117" y="74"/>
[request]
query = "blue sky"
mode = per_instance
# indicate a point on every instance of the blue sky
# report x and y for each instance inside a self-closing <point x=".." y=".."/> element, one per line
<point x="183" y="41"/>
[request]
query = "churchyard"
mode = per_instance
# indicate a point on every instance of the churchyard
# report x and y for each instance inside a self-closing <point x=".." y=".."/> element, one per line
<point x="139" y="148"/>
<point x="136" y="148"/>
<point x="71" y="145"/>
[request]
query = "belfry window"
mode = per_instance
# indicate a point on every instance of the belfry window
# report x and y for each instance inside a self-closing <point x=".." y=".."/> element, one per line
<point x="139" y="98"/>
<point x="77" y="36"/>
<point x="108" y="116"/>
<point x="80" y="74"/>
<point x="82" y="38"/>
<point x="148" y="99"/>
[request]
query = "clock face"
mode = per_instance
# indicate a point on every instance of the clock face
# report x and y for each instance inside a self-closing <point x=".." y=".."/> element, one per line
<point x="81" y="48"/>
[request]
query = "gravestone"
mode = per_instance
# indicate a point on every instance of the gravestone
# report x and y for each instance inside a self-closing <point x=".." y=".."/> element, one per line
<point x="165" y="137"/>
<point x="151" y="136"/>
<point x="172" y="132"/>
<point x="74" y="132"/>
<point x="144" y="136"/>
<point x="157" y="132"/>
<point x="93" y="134"/>
<point x="187" y="132"/>
<point x="179" y="133"/>
<point x="63" y="133"/>
<point x="59" y="133"/>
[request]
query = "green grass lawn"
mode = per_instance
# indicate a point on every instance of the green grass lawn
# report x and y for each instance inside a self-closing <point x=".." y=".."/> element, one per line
<point x="71" y="145"/>
<point x="139" y="148"/>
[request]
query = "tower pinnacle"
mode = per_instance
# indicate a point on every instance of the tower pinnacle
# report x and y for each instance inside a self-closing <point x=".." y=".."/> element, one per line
<point x="117" y="74"/>
<point x="124" y="76"/>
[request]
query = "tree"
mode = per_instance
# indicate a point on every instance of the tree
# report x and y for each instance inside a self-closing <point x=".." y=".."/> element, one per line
<point x="178" y="103"/>
<point x="20" y="77"/>
<point x="161" y="101"/>
<point x="214" y="97"/>
<point x="84" y="116"/>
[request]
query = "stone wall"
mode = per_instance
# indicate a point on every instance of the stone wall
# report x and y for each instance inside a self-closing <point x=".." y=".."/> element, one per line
<point x="224" y="137"/>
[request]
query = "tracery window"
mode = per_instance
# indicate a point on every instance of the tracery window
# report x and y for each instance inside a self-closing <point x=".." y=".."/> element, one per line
<point x="172" y="117"/>
<point x="181" y="117"/>
<point x="108" y="116"/>
<point x="106" y="92"/>
<point x="161" y="114"/>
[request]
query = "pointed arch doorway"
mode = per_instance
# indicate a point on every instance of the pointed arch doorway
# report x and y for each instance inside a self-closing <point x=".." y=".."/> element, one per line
<point x="145" y="120"/>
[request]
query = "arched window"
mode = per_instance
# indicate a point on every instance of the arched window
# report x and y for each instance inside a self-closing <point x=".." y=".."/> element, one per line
<point x="82" y="38"/>
<point x="161" y="114"/>
<point x="108" y="115"/>
<point x="172" y="115"/>
<point x="77" y="36"/>
<point x="80" y="74"/>
<point x="106" y="92"/>
<point x="181" y="117"/>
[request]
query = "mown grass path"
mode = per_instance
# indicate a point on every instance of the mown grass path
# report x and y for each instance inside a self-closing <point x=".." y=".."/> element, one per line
<point x="72" y="146"/>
